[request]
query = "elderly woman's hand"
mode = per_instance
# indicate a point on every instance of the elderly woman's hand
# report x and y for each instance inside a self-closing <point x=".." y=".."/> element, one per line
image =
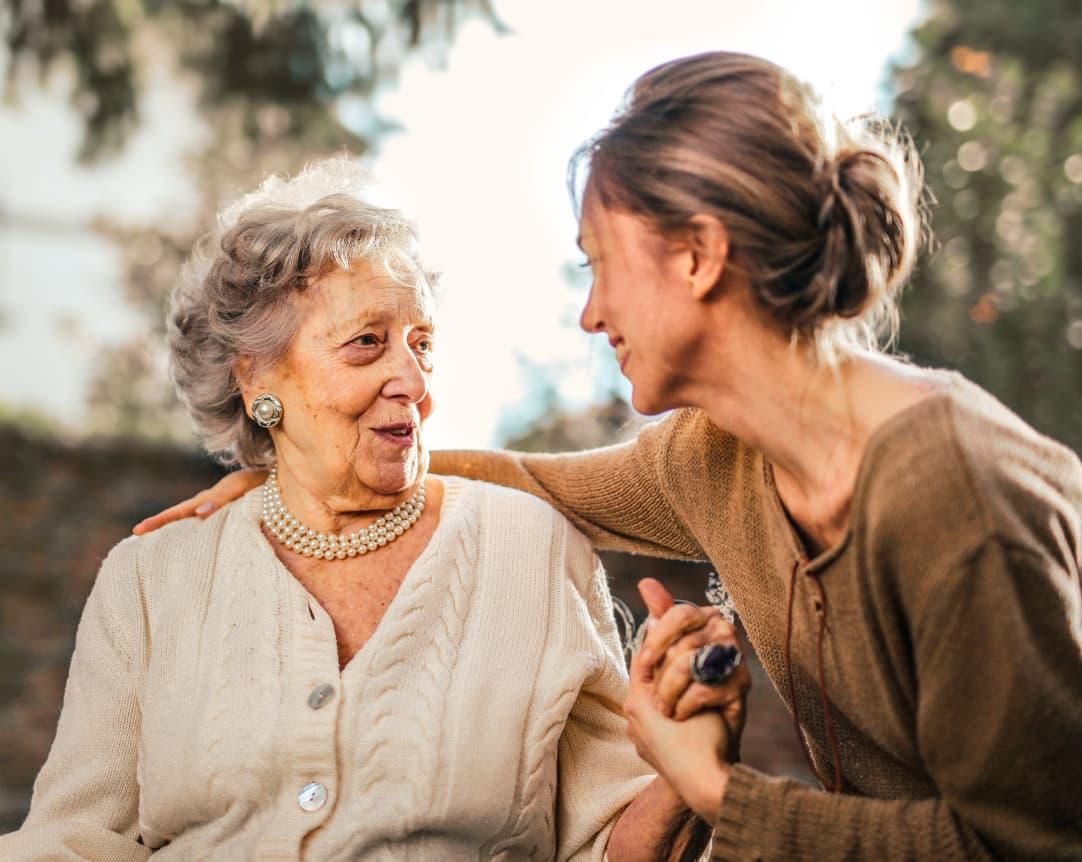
<point x="205" y="503"/>
<point x="673" y="636"/>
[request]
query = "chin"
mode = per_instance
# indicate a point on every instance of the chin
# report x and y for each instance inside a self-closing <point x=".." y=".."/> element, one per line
<point x="645" y="402"/>
<point x="394" y="477"/>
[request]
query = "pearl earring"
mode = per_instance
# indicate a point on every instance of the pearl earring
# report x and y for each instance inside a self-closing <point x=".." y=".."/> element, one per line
<point x="267" y="410"/>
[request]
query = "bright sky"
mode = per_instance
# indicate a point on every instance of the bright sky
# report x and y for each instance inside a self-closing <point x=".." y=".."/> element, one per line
<point x="480" y="166"/>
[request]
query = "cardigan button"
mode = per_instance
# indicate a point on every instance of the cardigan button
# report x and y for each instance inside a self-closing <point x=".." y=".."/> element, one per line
<point x="321" y="695"/>
<point x="312" y="796"/>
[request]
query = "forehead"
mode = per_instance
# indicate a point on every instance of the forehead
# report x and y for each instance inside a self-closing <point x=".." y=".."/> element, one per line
<point x="601" y="226"/>
<point x="367" y="293"/>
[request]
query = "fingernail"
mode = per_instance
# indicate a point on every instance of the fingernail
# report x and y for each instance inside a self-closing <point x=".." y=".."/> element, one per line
<point x="206" y="508"/>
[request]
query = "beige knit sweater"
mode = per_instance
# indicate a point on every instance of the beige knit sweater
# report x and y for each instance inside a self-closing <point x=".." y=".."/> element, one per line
<point x="480" y="721"/>
<point x="952" y="654"/>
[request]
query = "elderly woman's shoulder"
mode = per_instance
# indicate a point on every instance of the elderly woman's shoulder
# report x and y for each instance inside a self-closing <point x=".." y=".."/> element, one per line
<point x="187" y="531"/>
<point x="510" y="510"/>
<point x="521" y="532"/>
<point x="520" y="504"/>
<point x="172" y="549"/>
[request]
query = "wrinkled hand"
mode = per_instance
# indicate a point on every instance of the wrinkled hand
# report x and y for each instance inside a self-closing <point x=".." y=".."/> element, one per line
<point x="675" y="633"/>
<point x="690" y="754"/>
<point x="205" y="503"/>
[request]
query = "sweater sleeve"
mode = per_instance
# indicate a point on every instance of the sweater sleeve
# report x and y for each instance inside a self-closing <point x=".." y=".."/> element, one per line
<point x="86" y="797"/>
<point x="998" y="652"/>
<point x="599" y="772"/>
<point x="615" y="495"/>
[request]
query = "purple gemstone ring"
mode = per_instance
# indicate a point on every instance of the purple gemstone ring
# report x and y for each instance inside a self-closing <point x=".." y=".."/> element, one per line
<point x="714" y="663"/>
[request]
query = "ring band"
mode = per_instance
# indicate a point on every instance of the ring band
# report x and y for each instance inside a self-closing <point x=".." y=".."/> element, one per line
<point x="712" y="664"/>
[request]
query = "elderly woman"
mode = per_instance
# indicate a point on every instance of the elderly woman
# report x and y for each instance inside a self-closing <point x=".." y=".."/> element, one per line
<point x="357" y="660"/>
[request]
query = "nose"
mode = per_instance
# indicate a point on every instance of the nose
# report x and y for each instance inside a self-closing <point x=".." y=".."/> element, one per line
<point x="590" y="319"/>
<point x="407" y="381"/>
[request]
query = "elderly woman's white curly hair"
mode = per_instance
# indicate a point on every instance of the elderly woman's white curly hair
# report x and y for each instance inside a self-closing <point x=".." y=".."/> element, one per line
<point x="235" y="295"/>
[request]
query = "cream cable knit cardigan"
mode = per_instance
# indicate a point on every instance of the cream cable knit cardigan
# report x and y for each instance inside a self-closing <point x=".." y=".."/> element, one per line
<point x="481" y="720"/>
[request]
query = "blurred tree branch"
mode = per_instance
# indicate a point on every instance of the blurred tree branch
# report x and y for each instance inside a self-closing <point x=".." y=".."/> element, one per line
<point x="297" y="57"/>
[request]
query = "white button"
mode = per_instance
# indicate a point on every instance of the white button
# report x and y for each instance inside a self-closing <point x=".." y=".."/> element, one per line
<point x="312" y="796"/>
<point x="321" y="695"/>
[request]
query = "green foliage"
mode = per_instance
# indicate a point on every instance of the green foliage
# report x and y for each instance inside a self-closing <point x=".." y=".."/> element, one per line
<point x="994" y="101"/>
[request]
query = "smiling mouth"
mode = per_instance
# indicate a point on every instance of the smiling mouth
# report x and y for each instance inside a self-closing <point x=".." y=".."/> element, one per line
<point x="621" y="352"/>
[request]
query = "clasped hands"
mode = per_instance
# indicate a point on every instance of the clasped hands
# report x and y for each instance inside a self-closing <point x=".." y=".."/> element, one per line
<point x="688" y="732"/>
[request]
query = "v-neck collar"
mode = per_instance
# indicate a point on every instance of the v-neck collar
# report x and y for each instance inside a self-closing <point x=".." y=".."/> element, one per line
<point x="879" y="440"/>
<point x="419" y="568"/>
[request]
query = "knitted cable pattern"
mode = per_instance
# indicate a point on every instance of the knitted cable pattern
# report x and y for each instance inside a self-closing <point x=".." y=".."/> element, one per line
<point x="435" y="606"/>
<point x="539" y="787"/>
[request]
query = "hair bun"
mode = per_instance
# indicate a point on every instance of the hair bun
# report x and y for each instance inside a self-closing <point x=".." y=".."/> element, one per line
<point x="866" y="237"/>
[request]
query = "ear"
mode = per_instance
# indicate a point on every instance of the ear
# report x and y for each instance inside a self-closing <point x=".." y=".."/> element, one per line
<point x="709" y="253"/>
<point x="242" y="369"/>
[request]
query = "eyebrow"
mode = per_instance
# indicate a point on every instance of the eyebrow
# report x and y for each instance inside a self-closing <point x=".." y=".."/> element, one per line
<point x="343" y="328"/>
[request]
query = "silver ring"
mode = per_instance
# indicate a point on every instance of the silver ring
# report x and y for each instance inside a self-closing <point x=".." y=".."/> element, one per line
<point x="712" y="664"/>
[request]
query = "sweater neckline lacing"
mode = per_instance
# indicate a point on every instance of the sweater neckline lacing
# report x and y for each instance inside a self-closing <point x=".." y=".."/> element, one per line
<point x="821" y="608"/>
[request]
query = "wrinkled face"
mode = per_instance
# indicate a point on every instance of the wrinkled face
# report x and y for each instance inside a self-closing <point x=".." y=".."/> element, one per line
<point x="639" y="299"/>
<point x="354" y="385"/>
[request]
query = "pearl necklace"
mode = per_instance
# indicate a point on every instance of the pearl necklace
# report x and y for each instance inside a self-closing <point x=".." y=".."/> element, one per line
<point x="281" y="524"/>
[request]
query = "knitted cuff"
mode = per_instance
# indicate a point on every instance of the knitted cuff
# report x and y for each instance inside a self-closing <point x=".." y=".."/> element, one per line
<point x="743" y="816"/>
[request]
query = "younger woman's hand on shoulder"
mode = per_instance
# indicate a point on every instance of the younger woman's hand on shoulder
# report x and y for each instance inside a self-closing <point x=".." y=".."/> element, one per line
<point x="205" y="503"/>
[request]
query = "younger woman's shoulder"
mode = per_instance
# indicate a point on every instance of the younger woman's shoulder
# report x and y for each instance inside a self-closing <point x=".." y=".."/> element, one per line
<point x="961" y="462"/>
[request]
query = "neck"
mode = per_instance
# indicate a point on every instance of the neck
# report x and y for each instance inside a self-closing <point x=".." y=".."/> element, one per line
<point x="340" y="508"/>
<point x="811" y="421"/>
<point x="803" y="416"/>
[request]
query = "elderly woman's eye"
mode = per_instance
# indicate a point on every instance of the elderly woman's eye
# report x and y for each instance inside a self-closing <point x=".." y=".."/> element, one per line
<point x="366" y="340"/>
